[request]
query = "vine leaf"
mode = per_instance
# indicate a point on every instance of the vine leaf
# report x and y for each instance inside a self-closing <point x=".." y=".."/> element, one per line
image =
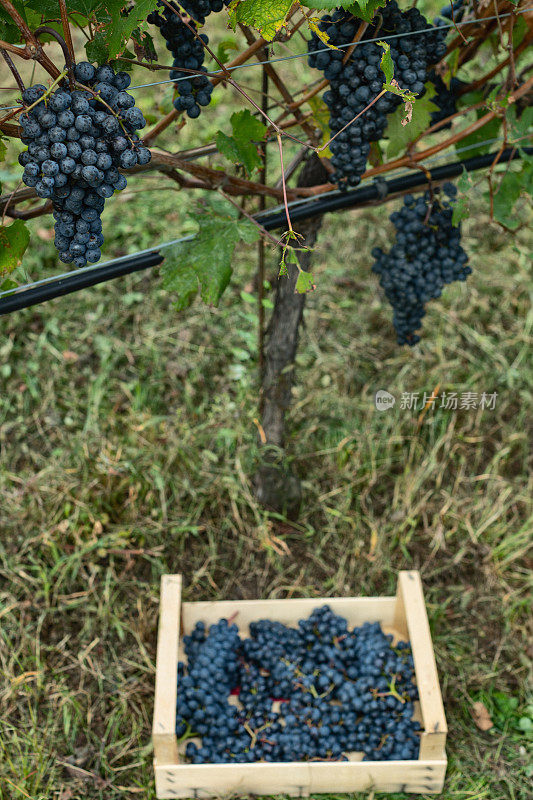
<point x="401" y="134"/>
<point x="520" y="126"/>
<point x="321" y="120"/>
<point x="241" y="148"/>
<point x="266" y="16"/>
<point x="461" y="204"/>
<point x="473" y="141"/>
<point x="14" y="240"/>
<point x="97" y="49"/>
<point x="224" y="49"/>
<point x="361" y="9"/>
<point x="304" y="282"/>
<point x="204" y="261"/>
<point x="123" y="24"/>
<point x="116" y="21"/>
<point x="392" y="85"/>
<point x="511" y="187"/>
<point x="50" y="8"/>
<point x="386" y="63"/>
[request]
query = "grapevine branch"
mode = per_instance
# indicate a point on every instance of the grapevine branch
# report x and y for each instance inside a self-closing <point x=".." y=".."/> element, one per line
<point x="14" y="71"/>
<point x="33" y="46"/>
<point x="202" y="177"/>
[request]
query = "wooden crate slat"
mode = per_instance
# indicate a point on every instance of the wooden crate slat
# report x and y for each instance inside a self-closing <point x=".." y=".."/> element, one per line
<point x="411" y="618"/>
<point x="299" y="779"/>
<point x="164" y="725"/>
<point x="404" y="615"/>
<point x="356" y="610"/>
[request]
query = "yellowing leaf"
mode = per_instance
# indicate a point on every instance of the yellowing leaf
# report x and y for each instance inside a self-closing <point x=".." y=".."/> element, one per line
<point x="313" y="23"/>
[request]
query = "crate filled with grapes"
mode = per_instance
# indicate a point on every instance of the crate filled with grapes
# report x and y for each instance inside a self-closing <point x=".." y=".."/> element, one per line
<point x="297" y="696"/>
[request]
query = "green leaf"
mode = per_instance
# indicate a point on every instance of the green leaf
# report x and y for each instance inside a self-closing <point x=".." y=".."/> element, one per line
<point x="321" y="120"/>
<point x="519" y="29"/>
<point x="3" y="149"/>
<point x="224" y="48"/>
<point x="97" y="50"/>
<point x="461" y="208"/>
<point x="520" y="126"/>
<point x="487" y="132"/>
<point x="361" y="9"/>
<point x="365" y="9"/>
<point x="14" y="240"/>
<point x="241" y="148"/>
<point x="8" y="284"/>
<point x="386" y="62"/>
<point x="204" y="262"/>
<point x="509" y="191"/>
<point x="50" y="8"/>
<point x="123" y="18"/>
<point x="266" y="16"/>
<point x="399" y="133"/>
<point x="525" y="724"/>
<point x="304" y="282"/>
<point x="8" y="30"/>
<point x="125" y="66"/>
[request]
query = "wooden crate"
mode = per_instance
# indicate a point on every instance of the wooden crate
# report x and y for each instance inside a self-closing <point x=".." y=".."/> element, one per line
<point x="404" y="615"/>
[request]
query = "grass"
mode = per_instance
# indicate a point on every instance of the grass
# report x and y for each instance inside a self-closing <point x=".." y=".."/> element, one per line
<point x="127" y="450"/>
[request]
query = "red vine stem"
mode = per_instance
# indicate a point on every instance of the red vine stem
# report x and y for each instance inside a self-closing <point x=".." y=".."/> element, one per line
<point x="34" y="46"/>
<point x="284" y="185"/>
<point x="68" y="39"/>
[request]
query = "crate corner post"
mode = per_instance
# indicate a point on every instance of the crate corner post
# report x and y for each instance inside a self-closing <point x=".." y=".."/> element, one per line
<point x="412" y="621"/>
<point x="164" y="721"/>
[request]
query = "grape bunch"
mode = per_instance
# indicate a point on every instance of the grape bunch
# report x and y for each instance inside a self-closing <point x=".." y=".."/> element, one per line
<point x="187" y="49"/>
<point x="426" y="255"/>
<point x="318" y="691"/>
<point x="77" y="142"/>
<point x="354" y="84"/>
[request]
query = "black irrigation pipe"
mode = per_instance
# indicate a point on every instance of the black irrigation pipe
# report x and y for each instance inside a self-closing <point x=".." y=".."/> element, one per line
<point x="377" y="190"/>
<point x="380" y="189"/>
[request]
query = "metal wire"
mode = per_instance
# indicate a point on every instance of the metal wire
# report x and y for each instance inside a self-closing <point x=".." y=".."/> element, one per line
<point x="339" y="47"/>
<point x="300" y="203"/>
<point x="248" y="65"/>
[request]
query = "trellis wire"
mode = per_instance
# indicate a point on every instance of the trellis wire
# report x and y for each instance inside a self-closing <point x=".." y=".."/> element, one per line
<point x="214" y="73"/>
<point x="339" y="47"/>
<point x="300" y="203"/>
